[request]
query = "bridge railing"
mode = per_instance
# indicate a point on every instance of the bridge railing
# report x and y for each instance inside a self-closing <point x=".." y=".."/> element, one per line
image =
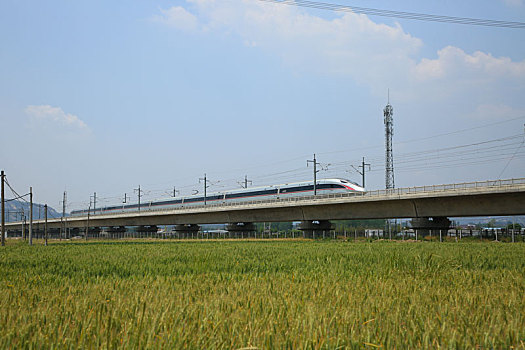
<point x="375" y="193"/>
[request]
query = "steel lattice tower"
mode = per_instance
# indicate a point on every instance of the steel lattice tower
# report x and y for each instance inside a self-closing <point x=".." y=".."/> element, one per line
<point x="388" y="114"/>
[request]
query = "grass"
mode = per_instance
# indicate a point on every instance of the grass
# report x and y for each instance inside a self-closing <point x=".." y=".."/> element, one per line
<point x="285" y="294"/>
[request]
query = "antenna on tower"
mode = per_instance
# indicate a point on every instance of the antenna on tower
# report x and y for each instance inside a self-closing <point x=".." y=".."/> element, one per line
<point x="388" y="113"/>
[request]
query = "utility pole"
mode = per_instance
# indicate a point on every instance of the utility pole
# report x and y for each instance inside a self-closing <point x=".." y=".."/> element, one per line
<point x="125" y="198"/>
<point x="3" y="209"/>
<point x="513" y="227"/>
<point x="175" y="191"/>
<point x="22" y="219"/>
<point x="30" y="215"/>
<point x="139" y="194"/>
<point x="45" y="224"/>
<point x="244" y="184"/>
<point x="363" y="172"/>
<point x="94" y="201"/>
<point x="64" y="226"/>
<point x="205" y="181"/>
<point x="314" y="161"/>
<point x="87" y="224"/>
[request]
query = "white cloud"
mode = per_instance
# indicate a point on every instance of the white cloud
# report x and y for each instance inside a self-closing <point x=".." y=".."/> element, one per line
<point x="347" y="44"/>
<point x="454" y="62"/>
<point x="374" y="55"/>
<point x="55" y="115"/>
<point x="177" y="17"/>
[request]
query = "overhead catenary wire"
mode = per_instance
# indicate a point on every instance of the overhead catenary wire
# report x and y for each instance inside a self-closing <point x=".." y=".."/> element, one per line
<point x="414" y="167"/>
<point x="494" y="149"/>
<point x="304" y="156"/>
<point x="433" y="161"/>
<point x="458" y="162"/>
<point x="517" y="150"/>
<point x="492" y="146"/>
<point x="425" y="138"/>
<point x="400" y="14"/>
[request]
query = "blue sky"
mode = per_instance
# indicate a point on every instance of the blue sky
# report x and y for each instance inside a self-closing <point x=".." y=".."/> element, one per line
<point x="104" y="96"/>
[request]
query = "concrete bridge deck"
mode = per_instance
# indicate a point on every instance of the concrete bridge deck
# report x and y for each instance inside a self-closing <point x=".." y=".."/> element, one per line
<point x="488" y="198"/>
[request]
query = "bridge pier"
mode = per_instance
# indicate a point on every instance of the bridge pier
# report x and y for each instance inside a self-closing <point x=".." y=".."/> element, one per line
<point x="115" y="231"/>
<point x="316" y="228"/>
<point x="187" y="231"/>
<point x="92" y="232"/>
<point x="73" y="232"/>
<point x="242" y="229"/>
<point x="145" y="230"/>
<point x="428" y="225"/>
<point x="54" y="233"/>
<point x="13" y="232"/>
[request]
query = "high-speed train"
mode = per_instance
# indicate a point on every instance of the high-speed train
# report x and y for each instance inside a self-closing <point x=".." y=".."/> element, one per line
<point x="297" y="189"/>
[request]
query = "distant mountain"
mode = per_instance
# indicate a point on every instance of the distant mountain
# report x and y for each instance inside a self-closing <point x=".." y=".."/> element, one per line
<point x="15" y="209"/>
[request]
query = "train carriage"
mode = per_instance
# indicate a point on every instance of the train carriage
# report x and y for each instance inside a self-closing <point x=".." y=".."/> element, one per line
<point x="297" y="189"/>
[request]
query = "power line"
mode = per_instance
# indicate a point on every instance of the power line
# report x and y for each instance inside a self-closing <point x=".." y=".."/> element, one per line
<point x="446" y="157"/>
<point x="401" y="157"/>
<point x="363" y="172"/>
<point x="14" y="192"/>
<point x="462" y="164"/>
<point x="14" y="199"/>
<point x="426" y="137"/>
<point x="293" y="174"/>
<point x="511" y="158"/>
<point x="456" y="150"/>
<point x="456" y="162"/>
<point x="400" y="14"/>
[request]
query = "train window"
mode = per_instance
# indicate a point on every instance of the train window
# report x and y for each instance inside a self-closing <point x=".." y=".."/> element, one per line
<point x="193" y="200"/>
<point x="251" y="194"/>
<point x="349" y="182"/>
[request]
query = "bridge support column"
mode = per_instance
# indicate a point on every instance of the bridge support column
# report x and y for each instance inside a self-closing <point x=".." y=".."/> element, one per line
<point x="186" y="231"/>
<point x="241" y="229"/>
<point x="147" y="230"/>
<point x="13" y="232"/>
<point x="73" y="232"/>
<point x="316" y="228"/>
<point x="115" y="231"/>
<point x="430" y="225"/>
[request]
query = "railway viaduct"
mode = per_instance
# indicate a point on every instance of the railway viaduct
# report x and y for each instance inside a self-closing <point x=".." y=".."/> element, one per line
<point x="427" y="205"/>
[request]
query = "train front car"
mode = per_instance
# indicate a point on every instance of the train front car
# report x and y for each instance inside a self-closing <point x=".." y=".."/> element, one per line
<point x="323" y="186"/>
<point x="349" y="186"/>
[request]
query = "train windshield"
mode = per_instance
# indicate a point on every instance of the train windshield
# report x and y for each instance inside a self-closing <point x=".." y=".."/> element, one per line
<point x="349" y="182"/>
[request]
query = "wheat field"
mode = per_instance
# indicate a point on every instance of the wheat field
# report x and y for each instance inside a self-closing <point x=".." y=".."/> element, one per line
<point x="262" y="294"/>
